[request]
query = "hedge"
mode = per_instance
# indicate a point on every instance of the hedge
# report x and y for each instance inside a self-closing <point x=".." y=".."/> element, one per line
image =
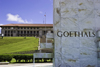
<point x="6" y="58"/>
<point x="20" y="57"/>
<point x="17" y="57"/>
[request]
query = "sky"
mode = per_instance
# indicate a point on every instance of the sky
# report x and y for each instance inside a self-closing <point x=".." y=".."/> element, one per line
<point x="26" y="11"/>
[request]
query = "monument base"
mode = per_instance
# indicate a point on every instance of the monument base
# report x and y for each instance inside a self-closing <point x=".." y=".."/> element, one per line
<point x="45" y="66"/>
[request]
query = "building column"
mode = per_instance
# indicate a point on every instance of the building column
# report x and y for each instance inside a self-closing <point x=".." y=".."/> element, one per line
<point x="19" y="32"/>
<point x="26" y="32"/>
<point x="2" y="31"/>
<point x="40" y="33"/>
<point x="7" y="33"/>
<point x="15" y="32"/>
<point x="23" y="33"/>
<point x="10" y="33"/>
<point x="32" y="33"/>
<point x="35" y="33"/>
<point x="29" y="33"/>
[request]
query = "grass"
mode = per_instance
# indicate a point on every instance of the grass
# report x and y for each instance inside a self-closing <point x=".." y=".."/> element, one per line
<point x="17" y="44"/>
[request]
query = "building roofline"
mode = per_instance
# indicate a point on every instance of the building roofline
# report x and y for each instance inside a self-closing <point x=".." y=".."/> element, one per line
<point x="27" y="25"/>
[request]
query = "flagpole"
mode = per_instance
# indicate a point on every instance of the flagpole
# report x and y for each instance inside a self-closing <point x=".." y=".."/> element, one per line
<point x="43" y="20"/>
<point x="45" y="28"/>
<point x="45" y="24"/>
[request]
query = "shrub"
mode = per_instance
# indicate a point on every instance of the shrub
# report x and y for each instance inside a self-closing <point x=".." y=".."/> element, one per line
<point x="20" y="57"/>
<point x="16" y="57"/>
<point x="6" y="58"/>
<point x="1" y="58"/>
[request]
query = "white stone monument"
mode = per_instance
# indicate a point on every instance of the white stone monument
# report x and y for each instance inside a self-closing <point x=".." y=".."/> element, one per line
<point x="75" y="25"/>
<point x="2" y="35"/>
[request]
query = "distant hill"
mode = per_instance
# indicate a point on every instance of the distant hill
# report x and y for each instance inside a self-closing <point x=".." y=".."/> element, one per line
<point x="18" y="44"/>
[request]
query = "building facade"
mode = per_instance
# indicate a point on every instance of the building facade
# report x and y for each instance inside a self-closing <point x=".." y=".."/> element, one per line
<point x="26" y="29"/>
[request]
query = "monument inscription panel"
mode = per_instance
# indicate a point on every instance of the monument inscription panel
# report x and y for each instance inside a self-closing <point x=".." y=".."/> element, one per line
<point x="75" y="34"/>
<point x="75" y="25"/>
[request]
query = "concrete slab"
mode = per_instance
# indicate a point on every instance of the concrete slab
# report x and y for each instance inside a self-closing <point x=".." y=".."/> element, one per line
<point x="29" y="65"/>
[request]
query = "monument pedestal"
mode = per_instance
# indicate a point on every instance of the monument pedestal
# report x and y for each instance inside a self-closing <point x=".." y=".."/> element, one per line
<point x="75" y="25"/>
<point x="45" y="66"/>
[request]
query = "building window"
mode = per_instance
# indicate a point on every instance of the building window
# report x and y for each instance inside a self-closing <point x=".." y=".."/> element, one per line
<point x="24" y="32"/>
<point x="31" y="28"/>
<point x="8" y="27"/>
<point x="37" y="32"/>
<point x="34" y="32"/>
<point x="5" y="35"/>
<point x="51" y="31"/>
<point x="37" y="27"/>
<point x="28" y="32"/>
<point x="11" y="31"/>
<point x="14" y="27"/>
<point x="14" y="31"/>
<point x="44" y="32"/>
<point x="8" y="32"/>
<point x="11" y="34"/>
<point x="31" y="32"/>
<point x="5" y="27"/>
<point x="27" y="27"/>
<point x="18" y="28"/>
<point x="18" y="32"/>
<point x="5" y="31"/>
<point x="21" y="27"/>
<point x="24" y="27"/>
<point x="21" y="32"/>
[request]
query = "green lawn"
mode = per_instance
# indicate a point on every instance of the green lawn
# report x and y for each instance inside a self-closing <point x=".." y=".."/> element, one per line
<point x="17" y="44"/>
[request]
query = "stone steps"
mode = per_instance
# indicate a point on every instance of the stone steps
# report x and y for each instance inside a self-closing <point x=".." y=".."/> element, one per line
<point x="45" y="45"/>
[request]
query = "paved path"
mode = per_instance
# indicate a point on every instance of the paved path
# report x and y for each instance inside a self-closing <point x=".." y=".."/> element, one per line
<point x="29" y="65"/>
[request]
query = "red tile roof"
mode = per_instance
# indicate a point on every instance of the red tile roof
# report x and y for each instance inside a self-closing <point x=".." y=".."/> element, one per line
<point x="29" y="25"/>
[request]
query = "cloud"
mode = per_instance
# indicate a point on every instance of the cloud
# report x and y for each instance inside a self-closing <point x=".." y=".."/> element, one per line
<point x="0" y="30"/>
<point x="16" y="18"/>
<point x="51" y="0"/>
<point x="1" y="24"/>
<point x="41" y="12"/>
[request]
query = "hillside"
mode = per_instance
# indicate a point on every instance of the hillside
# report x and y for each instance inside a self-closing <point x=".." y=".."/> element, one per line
<point x="18" y="44"/>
